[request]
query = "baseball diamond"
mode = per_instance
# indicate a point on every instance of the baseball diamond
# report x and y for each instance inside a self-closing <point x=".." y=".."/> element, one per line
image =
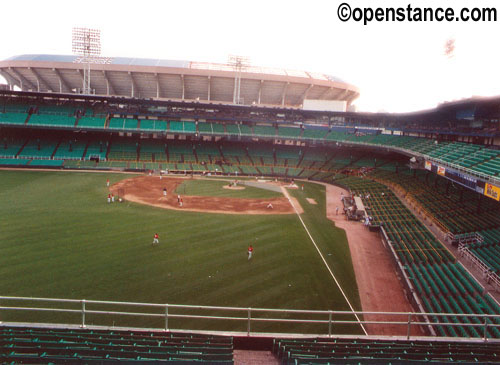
<point x="153" y="222"/>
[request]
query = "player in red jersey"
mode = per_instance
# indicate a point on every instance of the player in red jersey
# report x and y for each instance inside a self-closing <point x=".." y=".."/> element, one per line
<point x="250" y="252"/>
<point x="155" y="239"/>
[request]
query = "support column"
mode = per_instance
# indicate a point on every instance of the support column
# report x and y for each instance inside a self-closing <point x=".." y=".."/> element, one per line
<point x="133" y="84"/>
<point x="157" y="86"/>
<point x="62" y="81"/>
<point x="234" y="89"/>
<point x="22" y="79"/>
<point x="36" y="78"/>
<point x="304" y="96"/>
<point x="208" y="93"/>
<point x="283" y="94"/>
<point x="260" y="90"/>
<point x="183" y="86"/>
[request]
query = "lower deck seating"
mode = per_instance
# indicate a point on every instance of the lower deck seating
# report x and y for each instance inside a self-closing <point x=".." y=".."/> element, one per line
<point x="123" y="150"/>
<point x="11" y="146"/>
<point x="70" y="149"/>
<point x="96" y="149"/>
<point x="54" y="345"/>
<point x="39" y="148"/>
<point x="367" y="351"/>
<point x="455" y="208"/>
<point x="48" y="163"/>
<point x="443" y="286"/>
<point x="14" y="161"/>
<point x="79" y="164"/>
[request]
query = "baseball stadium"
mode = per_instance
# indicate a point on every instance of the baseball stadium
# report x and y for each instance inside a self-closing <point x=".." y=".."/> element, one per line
<point x="187" y="211"/>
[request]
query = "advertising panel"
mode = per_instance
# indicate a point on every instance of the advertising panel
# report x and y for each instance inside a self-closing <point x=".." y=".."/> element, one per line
<point x="492" y="191"/>
<point x="462" y="179"/>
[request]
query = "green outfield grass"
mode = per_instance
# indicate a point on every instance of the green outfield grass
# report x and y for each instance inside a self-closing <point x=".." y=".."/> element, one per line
<point x="60" y="238"/>
<point x="215" y="188"/>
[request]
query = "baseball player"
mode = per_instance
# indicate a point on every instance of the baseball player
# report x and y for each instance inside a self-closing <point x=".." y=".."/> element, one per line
<point x="164" y="191"/>
<point x="180" y="202"/>
<point x="155" y="239"/>
<point x="269" y="206"/>
<point x="250" y="251"/>
<point x="178" y="199"/>
<point x="112" y="198"/>
<point x="109" y="198"/>
<point x="107" y="182"/>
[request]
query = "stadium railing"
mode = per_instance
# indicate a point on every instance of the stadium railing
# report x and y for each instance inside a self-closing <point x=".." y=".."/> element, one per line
<point x="329" y="320"/>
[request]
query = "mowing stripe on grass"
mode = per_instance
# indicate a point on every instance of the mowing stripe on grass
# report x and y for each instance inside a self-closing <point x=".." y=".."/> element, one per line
<point x="285" y="192"/>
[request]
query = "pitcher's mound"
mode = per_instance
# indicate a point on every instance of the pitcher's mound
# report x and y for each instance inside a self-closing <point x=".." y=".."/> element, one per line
<point x="230" y="187"/>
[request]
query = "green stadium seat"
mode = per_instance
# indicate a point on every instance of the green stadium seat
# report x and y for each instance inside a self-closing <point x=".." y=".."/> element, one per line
<point x="42" y="148"/>
<point x="10" y="147"/>
<point x="13" y="118"/>
<point x="48" y="163"/>
<point x="14" y="161"/>
<point x="289" y="132"/>
<point x="91" y="122"/>
<point x="51" y="120"/>
<point x="264" y="131"/>
<point x="123" y="124"/>
<point x="70" y="150"/>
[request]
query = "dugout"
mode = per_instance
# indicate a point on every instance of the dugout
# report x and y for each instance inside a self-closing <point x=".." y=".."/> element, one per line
<point x="360" y="211"/>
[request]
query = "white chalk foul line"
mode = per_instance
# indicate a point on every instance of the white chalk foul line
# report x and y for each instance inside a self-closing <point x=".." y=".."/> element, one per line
<point x="285" y="192"/>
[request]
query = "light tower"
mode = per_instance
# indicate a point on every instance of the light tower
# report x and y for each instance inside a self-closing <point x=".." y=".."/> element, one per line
<point x="239" y="63"/>
<point x="86" y="43"/>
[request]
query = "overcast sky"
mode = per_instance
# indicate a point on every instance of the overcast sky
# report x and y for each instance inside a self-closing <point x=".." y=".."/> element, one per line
<point x="398" y="67"/>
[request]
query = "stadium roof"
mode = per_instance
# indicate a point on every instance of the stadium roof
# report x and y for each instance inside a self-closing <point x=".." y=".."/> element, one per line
<point x="173" y="79"/>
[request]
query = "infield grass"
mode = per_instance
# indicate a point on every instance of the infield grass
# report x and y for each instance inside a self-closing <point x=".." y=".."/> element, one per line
<point x="204" y="187"/>
<point x="60" y="238"/>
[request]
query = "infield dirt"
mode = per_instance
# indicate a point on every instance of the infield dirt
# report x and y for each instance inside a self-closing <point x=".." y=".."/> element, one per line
<point x="149" y="190"/>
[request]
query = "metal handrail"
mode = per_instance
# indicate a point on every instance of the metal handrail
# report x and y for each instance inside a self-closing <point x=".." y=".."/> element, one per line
<point x="411" y="318"/>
